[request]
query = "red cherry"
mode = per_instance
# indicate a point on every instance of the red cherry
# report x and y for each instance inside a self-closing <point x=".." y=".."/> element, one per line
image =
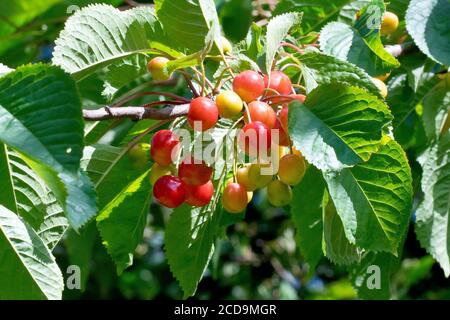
<point x="278" y="82"/>
<point x="194" y="172"/>
<point x="249" y="85"/>
<point x="262" y="112"/>
<point x="204" y="111"/>
<point x="199" y="196"/>
<point x="283" y="138"/>
<point x="253" y="136"/>
<point x="284" y="113"/>
<point x="164" y="144"/>
<point x="169" y="191"/>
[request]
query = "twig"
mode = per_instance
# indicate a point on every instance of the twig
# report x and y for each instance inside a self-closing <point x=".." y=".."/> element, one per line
<point x="136" y="113"/>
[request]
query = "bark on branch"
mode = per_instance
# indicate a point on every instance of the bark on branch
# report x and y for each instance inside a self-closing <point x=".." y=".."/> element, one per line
<point x="136" y="113"/>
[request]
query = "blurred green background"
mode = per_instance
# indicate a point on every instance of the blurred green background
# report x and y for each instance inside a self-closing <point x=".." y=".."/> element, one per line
<point x="259" y="259"/>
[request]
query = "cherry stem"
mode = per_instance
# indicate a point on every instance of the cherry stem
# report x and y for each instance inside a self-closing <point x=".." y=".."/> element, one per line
<point x="292" y="46"/>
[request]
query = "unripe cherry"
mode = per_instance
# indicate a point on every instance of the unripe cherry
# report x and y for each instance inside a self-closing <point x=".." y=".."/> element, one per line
<point x="279" y="82"/>
<point x="165" y="144"/>
<point x="204" y="112"/>
<point x="159" y="171"/>
<point x="229" y="104"/>
<point x="279" y="194"/>
<point x="199" y="196"/>
<point x="169" y="191"/>
<point x="389" y="23"/>
<point x="253" y="137"/>
<point x="242" y="177"/>
<point x="226" y="46"/>
<point x="260" y="175"/>
<point x="234" y="198"/>
<point x="249" y="85"/>
<point x="157" y="67"/>
<point x="381" y="87"/>
<point x="292" y="169"/>
<point x="262" y="112"/>
<point x="194" y="172"/>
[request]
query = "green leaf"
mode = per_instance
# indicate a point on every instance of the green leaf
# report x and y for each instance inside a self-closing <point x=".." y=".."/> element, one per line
<point x="373" y="199"/>
<point x="40" y="117"/>
<point x="436" y="105"/>
<point x="432" y="216"/>
<point x="360" y="44"/>
<point x="28" y="269"/>
<point x="253" y="46"/>
<point x="427" y="23"/>
<point x="336" y="246"/>
<point x="99" y="35"/>
<point x="338" y="126"/>
<point x="188" y="23"/>
<point x="236" y="17"/>
<point x="277" y="30"/>
<point x="189" y="244"/>
<point x="121" y="223"/>
<point x="306" y="212"/>
<point x="347" y="14"/>
<point x="320" y="69"/>
<point x="315" y="13"/>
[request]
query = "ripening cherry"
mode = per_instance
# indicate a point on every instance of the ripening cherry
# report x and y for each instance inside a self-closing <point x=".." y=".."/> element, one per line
<point x="279" y="194"/>
<point x="204" y="112"/>
<point x="199" y="196"/>
<point x="229" y="104"/>
<point x="291" y="169"/>
<point x="242" y="178"/>
<point x="298" y="97"/>
<point x="157" y="67"/>
<point x="169" y="191"/>
<point x="262" y="112"/>
<point x="194" y="172"/>
<point x="260" y="175"/>
<point x="279" y="82"/>
<point x="389" y="23"/>
<point x="159" y="171"/>
<point x="234" y="198"/>
<point x="249" y="85"/>
<point x="165" y="145"/>
<point x="254" y="136"/>
<point x="381" y="87"/>
<point x="283" y="137"/>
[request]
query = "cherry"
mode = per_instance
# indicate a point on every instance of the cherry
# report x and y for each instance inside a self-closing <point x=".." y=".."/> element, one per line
<point x="292" y="169"/>
<point x="389" y="23"/>
<point x="165" y="144"/>
<point x="284" y="117"/>
<point x="279" y="194"/>
<point x="278" y="82"/>
<point x="229" y="104"/>
<point x="157" y="67"/>
<point x="253" y="136"/>
<point x="259" y="176"/>
<point x="159" y="171"/>
<point x="234" y="198"/>
<point x="299" y="97"/>
<point x="242" y="177"/>
<point x="381" y="87"/>
<point x="203" y="111"/>
<point x="262" y="112"/>
<point x="194" y="172"/>
<point x="199" y="196"/>
<point x="249" y="85"/>
<point x="226" y="46"/>
<point x="283" y="137"/>
<point x="169" y="191"/>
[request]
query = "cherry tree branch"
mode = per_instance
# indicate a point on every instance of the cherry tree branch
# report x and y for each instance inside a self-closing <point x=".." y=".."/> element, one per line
<point x="136" y="113"/>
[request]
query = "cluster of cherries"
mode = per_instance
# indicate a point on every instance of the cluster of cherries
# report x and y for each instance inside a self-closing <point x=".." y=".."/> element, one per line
<point x="263" y="103"/>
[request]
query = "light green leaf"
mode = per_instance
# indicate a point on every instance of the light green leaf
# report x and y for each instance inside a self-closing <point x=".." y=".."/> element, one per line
<point x="427" y="23"/>
<point x="189" y="244"/>
<point x="277" y="30"/>
<point x="306" y="212"/>
<point x="188" y="23"/>
<point x="28" y="269"/>
<point x="121" y="223"/>
<point x="360" y="44"/>
<point x="319" y="69"/>
<point x="436" y="105"/>
<point x="40" y="117"/>
<point x="338" y="126"/>
<point x="347" y="14"/>
<point x="432" y="216"/>
<point x="373" y="199"/>
<point x="99" y="35"/>
<point x="336" y="246"/>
